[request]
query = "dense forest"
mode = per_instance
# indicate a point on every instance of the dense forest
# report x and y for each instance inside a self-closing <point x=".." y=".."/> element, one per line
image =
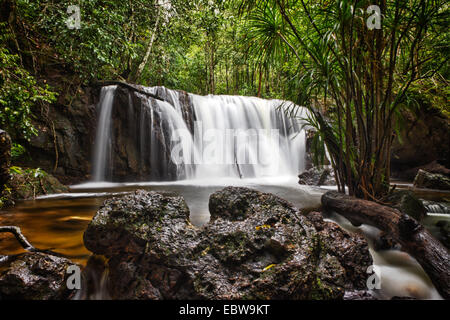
<point x="320" y="55"/>
<point x="367" y="80"/>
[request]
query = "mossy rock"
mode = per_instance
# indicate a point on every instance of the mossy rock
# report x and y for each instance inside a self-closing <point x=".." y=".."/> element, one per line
<point x="256" y="246"/>
<point x="30" y="183"/>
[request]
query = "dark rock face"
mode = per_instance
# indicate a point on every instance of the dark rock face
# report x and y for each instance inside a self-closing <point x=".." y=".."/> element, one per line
<point x="431" y="181"/>
<point x="66" y="133"/>
<point x="34" y="276"/>
<point x="405" y="201"/>
<point x="256" y="246"/>
<point x="141" y="137"/>
<point x="424" y="139"/>
<point x="5" y="158"/>
<point x="317" y="177"/>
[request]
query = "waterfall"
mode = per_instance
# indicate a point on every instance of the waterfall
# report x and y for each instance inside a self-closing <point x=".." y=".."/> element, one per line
<point x="187" y="136"/>
<point x="103" y="137"/>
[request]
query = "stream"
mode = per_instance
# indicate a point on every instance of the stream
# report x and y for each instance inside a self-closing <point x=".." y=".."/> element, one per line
<point x="57" y="222"/>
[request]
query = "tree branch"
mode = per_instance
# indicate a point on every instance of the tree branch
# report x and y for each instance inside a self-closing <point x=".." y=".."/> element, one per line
<point x="19" y="236"/>
<point x="127" y="86"/>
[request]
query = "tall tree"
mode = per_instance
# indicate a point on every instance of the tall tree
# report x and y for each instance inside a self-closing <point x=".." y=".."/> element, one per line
<point x="359" y="59"/>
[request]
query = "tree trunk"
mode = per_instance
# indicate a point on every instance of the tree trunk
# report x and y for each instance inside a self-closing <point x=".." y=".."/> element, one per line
<point x="413" y="237"/>
<point x="149" y="48"/>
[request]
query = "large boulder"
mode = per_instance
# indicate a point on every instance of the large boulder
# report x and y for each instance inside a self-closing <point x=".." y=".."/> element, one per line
<point x="256" y="246"/>
<point x="428" y="180"/>
<point x="34" y="276"/>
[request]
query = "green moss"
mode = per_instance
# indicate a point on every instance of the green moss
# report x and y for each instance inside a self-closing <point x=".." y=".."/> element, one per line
<point x="29" y="183"/>
<point x="320" y="291"/>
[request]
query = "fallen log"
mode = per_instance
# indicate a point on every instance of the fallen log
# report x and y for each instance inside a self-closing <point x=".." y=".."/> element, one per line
<point x="413" y="237"/>
<point x="24" y="242"/>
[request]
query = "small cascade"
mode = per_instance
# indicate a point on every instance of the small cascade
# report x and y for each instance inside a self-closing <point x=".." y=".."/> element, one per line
<point x="186" y="136"/>
<point x="437" y="207"/>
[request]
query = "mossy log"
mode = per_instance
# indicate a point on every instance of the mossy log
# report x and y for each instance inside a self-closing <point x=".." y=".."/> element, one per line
<point x="413" y="237"/>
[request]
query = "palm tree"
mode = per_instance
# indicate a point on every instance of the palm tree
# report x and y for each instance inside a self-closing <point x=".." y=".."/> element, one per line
<point x="359" y="74"/>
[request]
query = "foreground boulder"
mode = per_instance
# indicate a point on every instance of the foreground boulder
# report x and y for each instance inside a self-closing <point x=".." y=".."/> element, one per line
<point x="256" y="246"/>
<point x="34" y="276"/>
<point x="351" y="249"/>
<point x="428" y="180"/>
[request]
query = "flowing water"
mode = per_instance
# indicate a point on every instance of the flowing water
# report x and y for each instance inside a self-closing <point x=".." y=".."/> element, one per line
<point x="206" y="137"/>
<point x="57" y="222"/>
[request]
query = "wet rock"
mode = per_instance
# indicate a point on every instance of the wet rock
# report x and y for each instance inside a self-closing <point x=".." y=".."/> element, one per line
<point x="351" y="249"/>
<point x="141" y="153"/>
<point x="34" y="276"/>
<point x="317" y="177"/>
<point x="30" y="183"/>
<point x="256" y="246"/>
<point x="359" y="295"/>
<point x="405" y="201"/>
<point x="428" y="180"/>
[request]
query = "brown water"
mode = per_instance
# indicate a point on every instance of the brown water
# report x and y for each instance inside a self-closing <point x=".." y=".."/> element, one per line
<point x="52" y="224"/>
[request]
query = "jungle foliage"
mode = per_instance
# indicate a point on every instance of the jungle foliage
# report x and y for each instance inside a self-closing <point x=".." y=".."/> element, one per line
<point x="356" y="81"/>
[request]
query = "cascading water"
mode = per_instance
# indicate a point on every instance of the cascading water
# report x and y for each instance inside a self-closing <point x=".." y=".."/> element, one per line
<point x="201" y="137"/>
<point x="103" y="137"/>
